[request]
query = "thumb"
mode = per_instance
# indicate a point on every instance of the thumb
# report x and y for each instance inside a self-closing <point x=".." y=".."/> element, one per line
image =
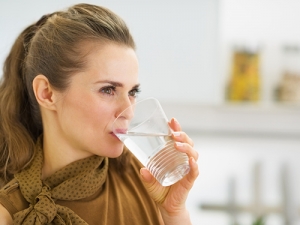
<point x="147" y="177"/>
<point x="154" y="188"/>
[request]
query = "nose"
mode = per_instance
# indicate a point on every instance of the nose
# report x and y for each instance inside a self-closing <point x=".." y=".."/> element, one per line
<point x="126" y="109"/>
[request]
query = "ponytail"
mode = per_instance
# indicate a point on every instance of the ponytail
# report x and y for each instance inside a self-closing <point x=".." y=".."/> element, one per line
<point x="18" y="132"/>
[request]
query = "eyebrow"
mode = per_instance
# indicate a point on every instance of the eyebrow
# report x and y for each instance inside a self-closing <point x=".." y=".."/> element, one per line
<point x="116" y="84"/>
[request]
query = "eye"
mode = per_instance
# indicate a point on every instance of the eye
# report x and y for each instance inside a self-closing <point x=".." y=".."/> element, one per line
<point x="108" y="90"/>
<point x="134" y="92"/>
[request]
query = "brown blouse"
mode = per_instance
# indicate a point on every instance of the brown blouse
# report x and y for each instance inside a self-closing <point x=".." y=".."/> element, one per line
<point x="90" y="191"/>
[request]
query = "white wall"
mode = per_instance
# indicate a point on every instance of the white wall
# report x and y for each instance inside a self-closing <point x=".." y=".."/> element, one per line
<point x="226" y="157"/>
<point x="269" y="24"/>
<point x="184" y="47"/>
<point x="176" y="42"/>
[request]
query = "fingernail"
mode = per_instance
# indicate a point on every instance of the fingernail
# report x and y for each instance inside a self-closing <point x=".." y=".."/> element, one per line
<point x="175" y="120"/>
<point x="179" y="144"/>
<point x="176" y="134"/>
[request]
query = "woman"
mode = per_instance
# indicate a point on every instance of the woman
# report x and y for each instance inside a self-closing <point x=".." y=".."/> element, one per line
<point x="66" y="79"/>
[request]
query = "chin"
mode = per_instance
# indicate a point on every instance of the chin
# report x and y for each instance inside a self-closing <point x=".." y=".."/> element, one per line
<point x="116" y="151"/>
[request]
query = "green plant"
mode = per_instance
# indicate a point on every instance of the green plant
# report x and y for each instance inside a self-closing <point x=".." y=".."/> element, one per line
<point x="259" y="221"/>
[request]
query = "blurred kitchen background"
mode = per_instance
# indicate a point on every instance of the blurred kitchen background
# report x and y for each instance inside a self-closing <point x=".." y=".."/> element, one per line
<point x="229" y="71"/>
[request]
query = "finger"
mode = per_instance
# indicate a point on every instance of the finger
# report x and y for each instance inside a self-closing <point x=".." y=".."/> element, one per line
<point x="154" y="188"/>
<point x="147" y="177"/>
<point x="182" y="137"/>
<point x="188" y="149"/>
<point x="193" y="174"/>
<point x="174" y="125"/>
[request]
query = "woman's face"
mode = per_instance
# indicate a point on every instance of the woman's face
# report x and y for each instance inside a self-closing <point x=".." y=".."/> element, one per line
<point x="95" y="97"/>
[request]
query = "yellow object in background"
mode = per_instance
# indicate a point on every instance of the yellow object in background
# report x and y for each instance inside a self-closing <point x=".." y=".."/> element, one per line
<point x="244" y="84"/>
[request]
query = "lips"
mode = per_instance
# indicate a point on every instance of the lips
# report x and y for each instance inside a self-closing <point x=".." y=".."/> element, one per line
<point x="121" y="131"/>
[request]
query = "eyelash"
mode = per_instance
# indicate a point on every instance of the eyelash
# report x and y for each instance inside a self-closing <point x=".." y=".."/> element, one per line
<point x="113" y="89"/>
<point x="136" y="91"/>
<point x="108" y="88"/>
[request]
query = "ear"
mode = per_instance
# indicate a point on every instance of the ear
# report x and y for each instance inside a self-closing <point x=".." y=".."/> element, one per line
<point x="43" y="92"/>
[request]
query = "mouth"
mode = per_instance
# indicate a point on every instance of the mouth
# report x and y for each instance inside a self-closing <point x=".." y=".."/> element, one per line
<point x="121" y="131"/>
<point x="113" y="134"/>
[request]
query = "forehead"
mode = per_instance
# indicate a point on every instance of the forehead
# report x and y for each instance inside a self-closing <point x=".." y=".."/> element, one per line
<point x="108" y="60"/>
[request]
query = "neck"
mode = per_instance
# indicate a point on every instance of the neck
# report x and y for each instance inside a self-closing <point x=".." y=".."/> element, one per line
<point x="59" y="151"/>
<point x="58" y="154"/>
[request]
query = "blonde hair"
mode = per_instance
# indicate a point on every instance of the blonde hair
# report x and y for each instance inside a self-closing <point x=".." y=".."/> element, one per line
<point x="50" y="47"/>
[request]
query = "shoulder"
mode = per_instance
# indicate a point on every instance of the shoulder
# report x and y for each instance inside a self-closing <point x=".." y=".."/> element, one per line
<point x="5" y="216"/>
<point x="5" y="203"/>
<point x="11" y="199"/>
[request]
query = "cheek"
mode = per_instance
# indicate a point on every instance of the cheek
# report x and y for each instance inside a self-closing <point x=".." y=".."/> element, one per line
<point x="91" y="113"/>
<point x="77" y="109"/>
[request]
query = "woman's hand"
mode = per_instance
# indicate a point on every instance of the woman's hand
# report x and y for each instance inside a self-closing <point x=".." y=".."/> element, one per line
<point x="171" y="199"/>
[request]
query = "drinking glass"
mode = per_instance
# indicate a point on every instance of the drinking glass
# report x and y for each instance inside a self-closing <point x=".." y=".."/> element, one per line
<point x="144" y="130"/>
